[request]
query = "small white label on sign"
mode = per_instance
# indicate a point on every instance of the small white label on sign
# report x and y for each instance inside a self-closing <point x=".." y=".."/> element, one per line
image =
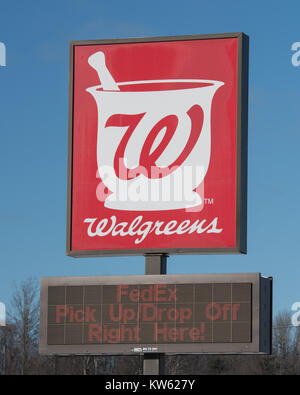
<point x="144" y="349"/>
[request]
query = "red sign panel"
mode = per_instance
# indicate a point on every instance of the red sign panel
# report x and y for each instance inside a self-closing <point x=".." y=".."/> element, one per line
<point x="157" y="147"/>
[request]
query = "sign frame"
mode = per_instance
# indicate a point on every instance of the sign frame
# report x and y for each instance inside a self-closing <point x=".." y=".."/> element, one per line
<point x="241" y="149"/>
<point x="261" y="317"/>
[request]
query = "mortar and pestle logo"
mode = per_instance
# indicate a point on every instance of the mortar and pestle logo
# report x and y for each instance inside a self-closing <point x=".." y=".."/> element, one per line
<point x="154" y="137"/>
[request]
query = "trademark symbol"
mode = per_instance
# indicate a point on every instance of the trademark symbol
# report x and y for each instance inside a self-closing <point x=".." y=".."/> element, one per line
<point x="209" y="201"/>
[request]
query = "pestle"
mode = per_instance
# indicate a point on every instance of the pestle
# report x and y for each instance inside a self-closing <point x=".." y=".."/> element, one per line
<point x="97" y="61"/>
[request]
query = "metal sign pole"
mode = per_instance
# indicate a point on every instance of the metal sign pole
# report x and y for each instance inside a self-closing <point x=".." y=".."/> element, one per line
<point x="153" y="364"/>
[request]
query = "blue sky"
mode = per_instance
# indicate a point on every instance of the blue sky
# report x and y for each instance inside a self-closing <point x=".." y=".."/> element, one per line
<point x="34" y="123"/>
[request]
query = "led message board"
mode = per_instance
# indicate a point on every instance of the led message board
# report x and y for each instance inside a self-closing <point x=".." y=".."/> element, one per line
<point x="158" y="145"/>
<point x="155" y="313"/>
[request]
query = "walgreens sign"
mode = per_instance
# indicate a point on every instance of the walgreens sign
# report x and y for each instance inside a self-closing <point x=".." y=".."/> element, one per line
<point x="157" y="145"/>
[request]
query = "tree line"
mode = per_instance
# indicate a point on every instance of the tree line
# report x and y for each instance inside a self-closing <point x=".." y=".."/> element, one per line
<point x="19" y="350"/>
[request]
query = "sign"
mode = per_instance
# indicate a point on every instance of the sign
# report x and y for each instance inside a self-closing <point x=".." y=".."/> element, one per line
<point x="155" y="313"/>
<point x="158" y="146"/>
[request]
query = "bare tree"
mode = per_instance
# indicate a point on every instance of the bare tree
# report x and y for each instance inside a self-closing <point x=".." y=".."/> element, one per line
<point x="24" y="316"/>
<point x="8" y="350"/>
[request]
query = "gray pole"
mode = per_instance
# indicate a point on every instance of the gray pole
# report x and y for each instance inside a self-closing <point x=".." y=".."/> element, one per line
<point x="154" y="364"/>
